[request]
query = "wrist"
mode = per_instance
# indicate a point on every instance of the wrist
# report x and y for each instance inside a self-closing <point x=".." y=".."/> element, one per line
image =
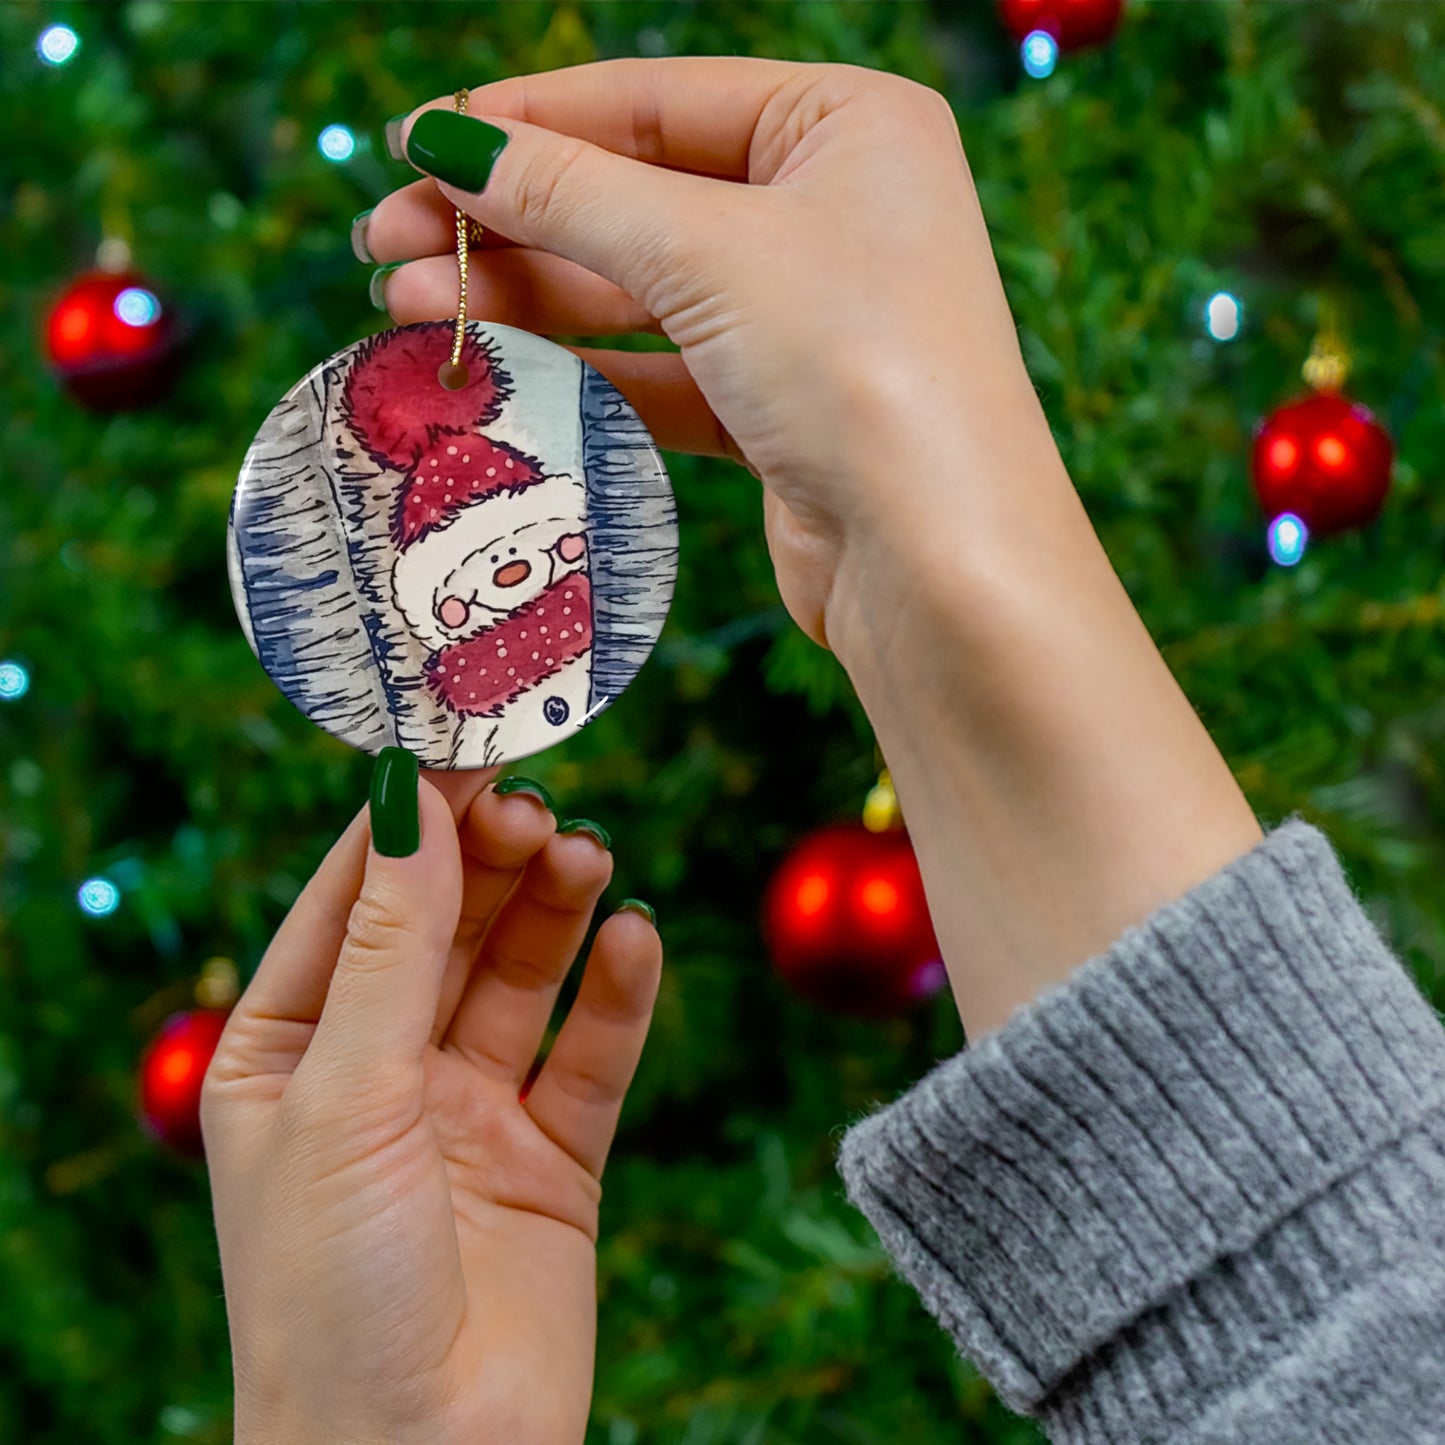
<point x="1056" y="782"/>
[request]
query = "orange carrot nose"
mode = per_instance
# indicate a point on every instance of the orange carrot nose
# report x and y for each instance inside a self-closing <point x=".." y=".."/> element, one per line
<point x="512" y="574"/>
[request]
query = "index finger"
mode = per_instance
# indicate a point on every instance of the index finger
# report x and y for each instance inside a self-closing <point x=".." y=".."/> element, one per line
<point x="687" y="113"/>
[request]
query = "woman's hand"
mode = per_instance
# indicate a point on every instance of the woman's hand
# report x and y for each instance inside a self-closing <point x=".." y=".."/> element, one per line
<point x="810" y="237"/>
<point x="830" y="312"/>
<point x="408" y="1246"/>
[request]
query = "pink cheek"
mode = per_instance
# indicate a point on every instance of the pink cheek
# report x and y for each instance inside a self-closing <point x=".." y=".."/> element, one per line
<point x="453" y="612"/>
<point x="571" y="547"/>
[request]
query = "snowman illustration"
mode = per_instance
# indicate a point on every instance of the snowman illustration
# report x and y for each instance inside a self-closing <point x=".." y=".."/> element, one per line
<point x="490" y="572"/>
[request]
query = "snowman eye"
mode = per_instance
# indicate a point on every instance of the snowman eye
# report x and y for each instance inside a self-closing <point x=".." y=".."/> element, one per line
<point x="512" y="551"/>
<point x="494" y="556"/>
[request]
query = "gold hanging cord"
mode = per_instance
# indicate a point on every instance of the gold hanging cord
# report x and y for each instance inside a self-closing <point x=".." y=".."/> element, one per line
<point x="452" y="373"/>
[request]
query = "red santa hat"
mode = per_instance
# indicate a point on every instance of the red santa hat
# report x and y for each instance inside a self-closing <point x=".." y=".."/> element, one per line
<point x="453" y="473"/>
<point x="407" y="421"/>
<point x="396" y="407"/>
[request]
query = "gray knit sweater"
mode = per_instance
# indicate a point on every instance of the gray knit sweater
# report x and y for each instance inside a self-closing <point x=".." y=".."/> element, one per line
<point x="1196" y="1192"/>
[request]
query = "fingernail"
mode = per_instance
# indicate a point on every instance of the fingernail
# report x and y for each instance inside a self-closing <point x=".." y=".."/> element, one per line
<point x="586" y="825"/>
<point x="377" y="287"/>
<point x="455" y="148"/>
<point x="525" y="785"/>
<point x="636" y="905"/>
<point x="359" y="248"/>
<point x="395" y="812"/>
<point x="393" y="137"/>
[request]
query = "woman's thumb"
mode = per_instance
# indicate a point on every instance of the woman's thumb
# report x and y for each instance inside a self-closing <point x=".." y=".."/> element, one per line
<point x="382" y="1000"/>
<point x="619" y="217"/>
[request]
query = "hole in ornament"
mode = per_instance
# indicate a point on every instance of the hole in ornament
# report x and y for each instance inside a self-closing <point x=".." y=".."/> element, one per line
<point x="555" y="710"/>
<point x="453" y="375"/>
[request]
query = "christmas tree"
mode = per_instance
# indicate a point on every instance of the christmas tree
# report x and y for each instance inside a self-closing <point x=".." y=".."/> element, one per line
<point x="1179" y="214"/>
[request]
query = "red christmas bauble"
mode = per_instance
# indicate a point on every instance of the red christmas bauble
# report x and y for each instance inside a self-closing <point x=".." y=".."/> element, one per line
<point x="1326" y="459"/>
<point x="1073" y="23"/>
<point x="111" y="341"/>
<point x="171" y="1072"/>
<point x="847" y="923"/>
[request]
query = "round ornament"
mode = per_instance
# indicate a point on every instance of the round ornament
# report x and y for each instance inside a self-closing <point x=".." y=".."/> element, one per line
<point x="847" y="923"/>
<point x="172" y="1071"/>
<point x="111" y="341"/>
<point x="459" y="541"/>
<point x="1073" y="24"/>
<point x="1325" y="459"/>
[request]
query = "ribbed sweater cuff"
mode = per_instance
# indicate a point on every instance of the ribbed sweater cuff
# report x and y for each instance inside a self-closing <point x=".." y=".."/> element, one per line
<point x="1232" y="1058"/>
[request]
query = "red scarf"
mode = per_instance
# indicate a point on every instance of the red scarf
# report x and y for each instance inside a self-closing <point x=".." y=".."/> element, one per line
<point x="479" y="677"/>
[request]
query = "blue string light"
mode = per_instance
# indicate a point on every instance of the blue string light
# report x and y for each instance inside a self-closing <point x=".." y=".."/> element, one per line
<point x="1040" y="53"/>
<point x="98" y="897"/>
<point x="1223" y="316"/>
<point x="14" y="681"/>
<point x="57" y="44"/>
<point x="1287" y="538"/>
<point x="336" y="143"/>
<point x="137" y="307"/>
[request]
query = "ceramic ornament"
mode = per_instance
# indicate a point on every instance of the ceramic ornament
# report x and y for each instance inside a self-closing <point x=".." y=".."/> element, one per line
<point x="472" y="574"/>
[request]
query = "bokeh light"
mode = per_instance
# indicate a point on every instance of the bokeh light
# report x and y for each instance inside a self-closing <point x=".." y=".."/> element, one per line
<point x="879" y="897"/>
<point x="336" y="143"/>
<point x="137" y="307"/>
<point x="812" y="895"/>
<point x="1287" y="538"/>
<point x="1040" y="53"/>
<point x="57" y="44"/>
<point x="98" y="897"/>
<point x="14" y="681"/>
<point x="1223" y="316"/>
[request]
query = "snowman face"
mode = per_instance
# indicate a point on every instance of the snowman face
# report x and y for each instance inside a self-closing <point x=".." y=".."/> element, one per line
<point x="465" y="578"/>
<point x="504" y="573"/>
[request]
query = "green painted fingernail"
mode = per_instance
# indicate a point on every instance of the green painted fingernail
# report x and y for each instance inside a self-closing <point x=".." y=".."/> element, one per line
<point x="393" y="137"/>
<point x="359" y="248"/>
<point x="377" y="289"/>
<point x="395" y="811"/>
<point x="525" y="785"/>
<point x="636" y="905"/>
<point x="455" y="148"/>
<point x="586" y="825"/>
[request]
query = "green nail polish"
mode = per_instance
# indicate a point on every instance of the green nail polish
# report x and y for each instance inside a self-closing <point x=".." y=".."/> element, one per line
<point x="376" y="289"/>
<point x="395" y="811"/>
<point x="393" y="137"/>
<point x="525" y="785"/>
<point x="586" y="825"/>
<point x="636" y="905"/>
<point x="455" y="148"/>
<point x="359" y="248"/>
